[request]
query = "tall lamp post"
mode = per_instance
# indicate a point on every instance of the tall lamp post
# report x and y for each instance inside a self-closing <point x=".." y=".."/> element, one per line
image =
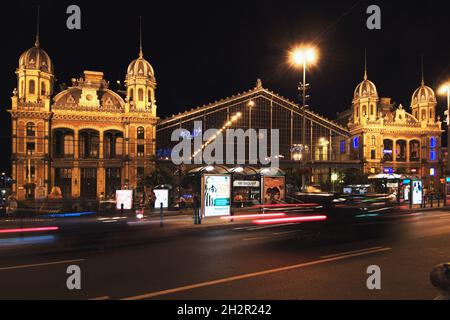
<point x="445" y="90"/>
<point x="301" y="57"/>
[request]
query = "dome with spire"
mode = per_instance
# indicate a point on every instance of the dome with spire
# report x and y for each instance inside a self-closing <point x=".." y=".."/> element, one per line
<point x="140" y="68"/>
<point x="366" y="89"/>
<point x="36" y="58"/>
<point x="423" y="94"/>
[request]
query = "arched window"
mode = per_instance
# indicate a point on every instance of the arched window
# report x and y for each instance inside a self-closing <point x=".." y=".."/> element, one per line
<point x="431" y="114"/>
<point x="388" y="147"/>
<point x="43" y="89"/>
<point x="31" y="129"/>
<point x="400" y="149"/>
<point x="372" y="110"/>
<point x="149" y="96"/>
<point x="140" y="133"/>
<point x="141" y="94"/>
<point x="414" y="153"/>
<point x="424" y="115"/>
<point x="364" y="111"/>
<point x="373" y="141"/>
<point x="68" y="145"/>
<point x="31" y="87"/>
<point x="131" y="94"/>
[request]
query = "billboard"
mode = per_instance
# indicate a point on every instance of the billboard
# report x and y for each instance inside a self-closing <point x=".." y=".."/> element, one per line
<point x="216" y="195"/>
<point x="273" y="189"/>
<point x="162" y="196"/>
<point x="417" y="190"/>
<point x="124" y="197"/>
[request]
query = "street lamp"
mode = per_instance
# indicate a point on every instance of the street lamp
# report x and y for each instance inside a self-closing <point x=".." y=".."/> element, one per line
<point x="301" y="57"/>
<point x="445" y="90"/>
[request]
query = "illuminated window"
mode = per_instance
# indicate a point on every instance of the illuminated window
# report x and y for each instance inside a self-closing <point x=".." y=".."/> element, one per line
<point x="388" y="146"/>
<point x="433" y="142"/>
<point x="140" y="133"/>
<point x="373" y="141"/>
<point x="433" y="155"/>
<point x="68" y="145"/>
<point x="140" y="150"/>
<point x="355" y="143"/>
<point x="432" y="172"/>
<point x="30" y="172"/>
<point x="31" y="129"/>
<point x="31" y="87"/>
<point x="141" y="94"/>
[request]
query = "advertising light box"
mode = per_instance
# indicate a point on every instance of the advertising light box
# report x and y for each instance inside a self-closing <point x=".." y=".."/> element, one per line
<point x="162" y="196"/>
<point x="273" y="189"/>
<point x="216" y="195"/>
<point x="417" y="192"/>
<point x="124" y="197"/>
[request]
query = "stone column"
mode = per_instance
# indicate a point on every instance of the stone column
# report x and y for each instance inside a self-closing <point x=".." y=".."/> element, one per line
<point x="101" y="167"/>
<point x="408" y="151"/>
<point x="76" y="177"/>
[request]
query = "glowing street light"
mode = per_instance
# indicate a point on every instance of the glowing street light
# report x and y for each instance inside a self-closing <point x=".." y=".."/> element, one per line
<point x="301" y="57"/>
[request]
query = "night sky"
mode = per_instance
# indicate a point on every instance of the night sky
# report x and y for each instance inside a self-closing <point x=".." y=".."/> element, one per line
<point x="207" y="50"/>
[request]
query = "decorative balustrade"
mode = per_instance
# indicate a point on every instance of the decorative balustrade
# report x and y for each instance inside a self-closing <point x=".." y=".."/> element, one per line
<point x="30" y="106"/>
<point x="75" y="107"/>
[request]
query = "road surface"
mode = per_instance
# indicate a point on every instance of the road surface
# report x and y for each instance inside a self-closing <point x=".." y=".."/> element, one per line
<point x="243" y="262"/>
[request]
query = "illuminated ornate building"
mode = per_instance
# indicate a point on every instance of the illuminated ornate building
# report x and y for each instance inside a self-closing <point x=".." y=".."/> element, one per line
<point x="87" y="140"/>
<point x="388" y="139"/>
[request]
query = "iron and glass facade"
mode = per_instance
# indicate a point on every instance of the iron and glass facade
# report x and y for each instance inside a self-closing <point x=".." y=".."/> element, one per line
<point x="316" y="149"/>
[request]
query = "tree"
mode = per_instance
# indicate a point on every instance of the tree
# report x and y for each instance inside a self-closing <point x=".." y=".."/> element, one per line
<point x="159" y="176"/>
<point x="355" y="176"/>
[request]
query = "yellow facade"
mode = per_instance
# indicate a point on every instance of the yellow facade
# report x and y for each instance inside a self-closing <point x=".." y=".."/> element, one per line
<point x="86" y="141"/>
<point x="388" y="139"/>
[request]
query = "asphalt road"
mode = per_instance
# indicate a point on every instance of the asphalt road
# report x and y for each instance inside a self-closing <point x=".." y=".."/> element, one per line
<point x="243" y="262"/>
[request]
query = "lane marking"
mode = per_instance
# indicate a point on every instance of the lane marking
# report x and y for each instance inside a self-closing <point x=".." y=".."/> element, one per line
<point x="41" y="264"/>
<point x="251" y="275"/>
<point x="255" y="238"/>
<point x="100" y="298"/>
<point x="285" y="232"/>
<point x="349" y="252"/>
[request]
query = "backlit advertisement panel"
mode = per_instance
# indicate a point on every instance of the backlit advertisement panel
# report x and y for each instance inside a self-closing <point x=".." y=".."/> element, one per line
<point x="273" y="189"/>
<point x="124" y="197"/>
<point x="216" y="194"/>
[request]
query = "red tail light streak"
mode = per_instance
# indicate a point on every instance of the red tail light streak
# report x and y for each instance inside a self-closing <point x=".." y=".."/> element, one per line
<point x="254" y="216"/>
<point x="291" y="220"/>
<point x="20" y="230"/>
